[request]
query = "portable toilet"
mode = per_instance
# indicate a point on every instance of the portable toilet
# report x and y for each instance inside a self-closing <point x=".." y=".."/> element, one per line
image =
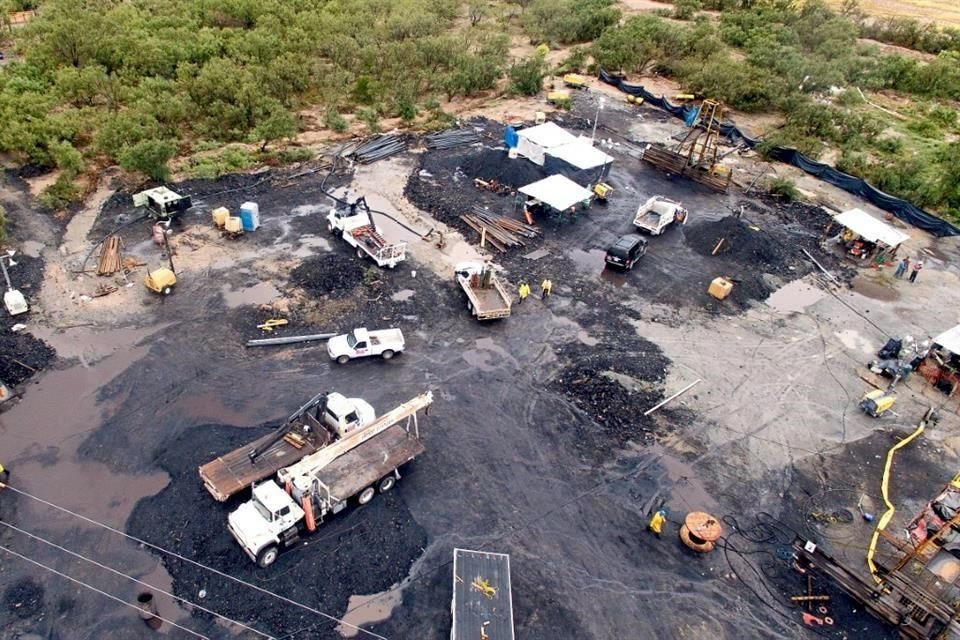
<point x="250" y="216"/>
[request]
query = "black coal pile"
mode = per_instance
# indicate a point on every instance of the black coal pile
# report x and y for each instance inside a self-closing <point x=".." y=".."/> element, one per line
<point x="24" y="598"/>
<point x="613" y="385"/>
<point x="21" y="354"/>
<point x="493" y="164"/>
<point x="362" y="550"/>
<point x="329" y="274"/>
<point x="755" y="249"/>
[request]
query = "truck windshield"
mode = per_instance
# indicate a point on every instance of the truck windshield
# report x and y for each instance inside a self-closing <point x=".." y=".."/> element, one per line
<point x="262" y="510"/>
<point x="351" y="340"/>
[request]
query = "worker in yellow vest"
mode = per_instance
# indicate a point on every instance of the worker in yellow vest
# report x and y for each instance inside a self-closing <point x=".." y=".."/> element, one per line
<point x="546" y="288"/>
<point x="524" y="291"/>
<point x="656" y="522"/>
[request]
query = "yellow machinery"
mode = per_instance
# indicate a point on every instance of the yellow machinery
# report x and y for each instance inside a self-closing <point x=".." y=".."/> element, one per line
<point x="632" y="99"/>
<point x="602" y="191"/>
<point x="878" y="402"/>
<point x="162" y="280"/>
<point x="575" y="81"/>
<point x="558" y="96"/>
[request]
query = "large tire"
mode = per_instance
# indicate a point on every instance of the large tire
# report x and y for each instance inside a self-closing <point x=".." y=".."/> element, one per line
<point x="386" y="355"/>
<point x="386" y="483"/>
<point x="166" y="291"/>
<point x="361" y="254"/>
<point x="366" y="495"/>
<point x="267" y="556"/>
<point x="343" y="359"/>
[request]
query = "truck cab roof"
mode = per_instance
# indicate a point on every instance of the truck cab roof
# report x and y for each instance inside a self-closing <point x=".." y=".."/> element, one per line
<point x="361" y="334"/>
<point x="271" y="496"/>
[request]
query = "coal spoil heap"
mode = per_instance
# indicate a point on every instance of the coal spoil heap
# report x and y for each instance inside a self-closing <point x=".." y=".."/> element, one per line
<point x="328" y="274"/>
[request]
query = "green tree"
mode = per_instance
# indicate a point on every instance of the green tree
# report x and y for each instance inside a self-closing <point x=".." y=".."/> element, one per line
<point x="149" y="157"/>
<point x="67" y="158"/>
<point x="276" y="123"/>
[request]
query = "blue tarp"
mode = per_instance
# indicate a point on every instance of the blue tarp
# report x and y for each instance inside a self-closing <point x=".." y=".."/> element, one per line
<point x="904" y="210"/>
<point x="510" y="137"/>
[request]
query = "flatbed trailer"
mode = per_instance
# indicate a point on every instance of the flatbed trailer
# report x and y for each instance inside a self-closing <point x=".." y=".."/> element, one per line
<point x="482" y="599"/>
<point x="233" y="472"/>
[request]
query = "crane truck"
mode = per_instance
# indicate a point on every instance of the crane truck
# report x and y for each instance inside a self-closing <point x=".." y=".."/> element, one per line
<point x="357" y="466"/>
<point x="354" y="222"/>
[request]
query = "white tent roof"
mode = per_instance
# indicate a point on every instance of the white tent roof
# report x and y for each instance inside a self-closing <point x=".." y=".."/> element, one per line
<point x="950" y="340"/>
<point x="547" y="135"/>
<point x="866" y="226"/>
<point x="581" y="154"/>
<point x="557" y="191"/>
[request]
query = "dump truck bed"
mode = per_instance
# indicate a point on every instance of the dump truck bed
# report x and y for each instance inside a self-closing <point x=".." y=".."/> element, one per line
<point x="482" y="598"/>
<point x="233" y="472"/>
<point x="368" y="462"/>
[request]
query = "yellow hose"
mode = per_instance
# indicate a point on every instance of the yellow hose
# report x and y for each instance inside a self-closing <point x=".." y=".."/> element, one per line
<point x="884" y="485"/>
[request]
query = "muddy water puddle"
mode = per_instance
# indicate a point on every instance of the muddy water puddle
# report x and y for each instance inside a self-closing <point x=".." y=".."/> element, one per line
<point x="874" y="290"/>
<point x="794" y="297"/>
<point x="363" y="610"/>
<point x="261" y="293"/>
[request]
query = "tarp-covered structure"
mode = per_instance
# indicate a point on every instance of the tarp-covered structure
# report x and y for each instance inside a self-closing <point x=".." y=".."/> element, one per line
<point x="536" y="143"/>
<point x="906" y="211"/>
<point x="557" y="192"/>
<point x="949" y="340"/>
<point x="871" y="229"/>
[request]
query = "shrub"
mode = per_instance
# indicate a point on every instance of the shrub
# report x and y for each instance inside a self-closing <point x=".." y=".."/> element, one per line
<point x="335" y="121"/>
<point x="60" y="194"/>
<point x="575" y="62"/>
<point x="526" y="77"/>
<point x="149" y="157"/>
<point x="3" y="224"/>
<point x="685" y="9"/>
<point x="569" y="21"/>
<point x="784" y="188"/>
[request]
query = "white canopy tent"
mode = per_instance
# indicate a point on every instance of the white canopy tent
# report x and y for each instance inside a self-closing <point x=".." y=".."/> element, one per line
<point x="950" y="340"/>
<point x="871" y="229"/>
<point x="557" y="192"/>
<point x="533" y="143"/>
<point x="581" y="154"/>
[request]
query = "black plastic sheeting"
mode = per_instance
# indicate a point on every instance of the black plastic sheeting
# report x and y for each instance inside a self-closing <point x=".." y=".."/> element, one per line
<point x="906" y="211"/>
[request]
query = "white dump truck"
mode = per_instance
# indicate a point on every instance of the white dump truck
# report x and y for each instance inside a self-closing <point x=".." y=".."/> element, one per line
<point x="355" y="223"/>
<point x="322" y="484"/>
<point x="486" y="297"/>
<point x="361" y="343"/>
<point x="658" y="213"/>
<point x="323" y="420"/>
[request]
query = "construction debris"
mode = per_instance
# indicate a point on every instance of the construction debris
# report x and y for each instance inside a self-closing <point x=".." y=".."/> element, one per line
<point x="501" y="232"/>
<point x="110" y="259"/>
<point x="273" y="323"/>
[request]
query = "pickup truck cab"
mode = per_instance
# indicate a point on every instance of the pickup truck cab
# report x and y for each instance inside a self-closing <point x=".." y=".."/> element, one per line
<point x="626" y="251"/>
<point x="360" y="343"/>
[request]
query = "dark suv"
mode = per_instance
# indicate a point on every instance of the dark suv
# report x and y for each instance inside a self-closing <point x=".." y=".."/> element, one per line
<point x="625" y="252"/>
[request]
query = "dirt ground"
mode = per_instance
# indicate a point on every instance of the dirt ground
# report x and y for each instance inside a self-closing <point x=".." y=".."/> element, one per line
<point x="537" y="445"/>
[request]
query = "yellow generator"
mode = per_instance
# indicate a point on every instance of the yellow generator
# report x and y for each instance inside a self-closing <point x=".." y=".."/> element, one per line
<point x="162" y="280"/>
<point x="575" y="81"/>
<point x="877" y="402"/>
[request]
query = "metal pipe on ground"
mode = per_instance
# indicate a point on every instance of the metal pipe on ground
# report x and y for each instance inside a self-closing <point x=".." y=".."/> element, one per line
<point x="264" y="342"/>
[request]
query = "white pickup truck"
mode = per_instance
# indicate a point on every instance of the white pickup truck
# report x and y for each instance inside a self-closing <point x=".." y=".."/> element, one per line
<point x="355" y="224"/>
<point x="360" y="343"/>
<point x="657" y="213"/>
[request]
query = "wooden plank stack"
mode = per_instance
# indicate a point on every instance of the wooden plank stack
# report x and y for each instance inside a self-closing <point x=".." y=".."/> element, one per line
<point x="501" y="232"/>
<point x="110" y="259"/>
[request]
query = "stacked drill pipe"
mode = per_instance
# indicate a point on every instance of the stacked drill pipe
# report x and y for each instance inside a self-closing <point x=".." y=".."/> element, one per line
<point x="501" y="232"/>
<point x="110" y="259"/>
<point x="451" y="138"/>
<point x="379" y="148"/>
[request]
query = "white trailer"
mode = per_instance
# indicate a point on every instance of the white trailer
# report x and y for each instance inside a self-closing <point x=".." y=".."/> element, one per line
<point x="321" y="484"/>
<point x="657" y="213"/>
<point x="361" y="343"/>
<point x="354" y="223"/>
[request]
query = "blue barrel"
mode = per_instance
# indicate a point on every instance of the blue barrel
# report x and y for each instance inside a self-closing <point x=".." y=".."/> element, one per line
<point x="250" y="216"/>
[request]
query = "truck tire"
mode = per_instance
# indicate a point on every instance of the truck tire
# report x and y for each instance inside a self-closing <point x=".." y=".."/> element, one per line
<point x="386" y="483"/>
<point x="366" y="495"/>
<point x="166" y="291"/>
<point x="267" y="556"/>
<point x="361" y="254"/>
<point x="343" y="359"/>
<point x="386" y="355"/>
<point x="470" y="306"/>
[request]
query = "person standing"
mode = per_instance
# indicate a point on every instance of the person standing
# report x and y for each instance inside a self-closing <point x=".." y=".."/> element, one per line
<point x="902" y="267"/>
<point x="546" y="288"/>
<point x="916" y="269"/>
<point x="524" y="291"/>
